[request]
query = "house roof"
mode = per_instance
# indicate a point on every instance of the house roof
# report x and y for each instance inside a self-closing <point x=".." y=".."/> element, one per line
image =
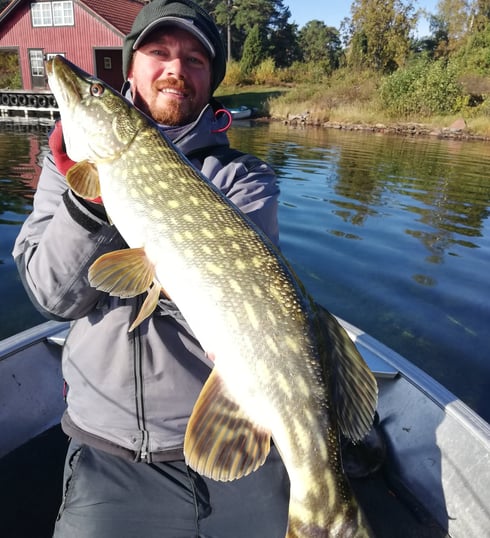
<point x="118" y="13"/>
<point x="9" y="8"/>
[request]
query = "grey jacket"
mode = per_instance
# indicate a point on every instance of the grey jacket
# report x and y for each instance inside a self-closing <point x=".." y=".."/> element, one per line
<point x="129" y="393"/>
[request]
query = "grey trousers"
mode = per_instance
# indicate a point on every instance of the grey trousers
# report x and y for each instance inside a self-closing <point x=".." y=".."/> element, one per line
<point x="108" y="497"/>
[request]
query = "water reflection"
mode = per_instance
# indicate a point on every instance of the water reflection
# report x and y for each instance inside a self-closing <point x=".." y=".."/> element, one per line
<point x="449" y="198"/>
<point x="21" y="153"/>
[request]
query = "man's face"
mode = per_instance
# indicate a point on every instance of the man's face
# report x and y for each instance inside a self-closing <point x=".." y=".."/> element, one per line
<point x="170" y="76"/>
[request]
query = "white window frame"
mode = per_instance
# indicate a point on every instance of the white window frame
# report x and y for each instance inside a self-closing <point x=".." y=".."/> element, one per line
<point x="52" y="13"/>
<point x="41" y="14"/>
<point x="51" y="55"/>
<point x="63" y="13"/>
<point x="36" y="62"/>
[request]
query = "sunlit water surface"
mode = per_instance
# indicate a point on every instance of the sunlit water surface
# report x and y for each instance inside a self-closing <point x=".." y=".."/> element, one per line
<point x="389" y="233"/>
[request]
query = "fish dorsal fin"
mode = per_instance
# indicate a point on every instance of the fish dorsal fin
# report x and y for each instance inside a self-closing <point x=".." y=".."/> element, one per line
<point x="354" y="387"/>
<point x="220" y="441"/>
<point x="123" y="273"/>
<point x="83" y="179"/>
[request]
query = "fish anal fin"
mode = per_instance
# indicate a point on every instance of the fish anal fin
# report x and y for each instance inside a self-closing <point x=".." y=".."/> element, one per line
<point x="220" y="441"/>
<point x="123" y="273"/>
<point x="83" y="179"/>
<point x="354" y="387"/>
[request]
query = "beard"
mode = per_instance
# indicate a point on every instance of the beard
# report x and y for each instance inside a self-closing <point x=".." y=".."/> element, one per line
<point x="174" y="112"/>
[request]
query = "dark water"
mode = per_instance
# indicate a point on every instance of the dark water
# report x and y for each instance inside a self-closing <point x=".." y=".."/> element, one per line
<point x="390" y="233"/>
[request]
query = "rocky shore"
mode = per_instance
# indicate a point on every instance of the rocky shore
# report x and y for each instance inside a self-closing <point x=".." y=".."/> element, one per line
<point x="458" y="130"/>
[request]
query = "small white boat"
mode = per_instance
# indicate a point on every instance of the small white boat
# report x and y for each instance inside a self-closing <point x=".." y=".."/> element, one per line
<point x="434" y="482"/>
<point x="241" y="113"/>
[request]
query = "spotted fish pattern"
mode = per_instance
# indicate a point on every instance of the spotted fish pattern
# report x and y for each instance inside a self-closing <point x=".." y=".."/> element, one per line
<point x="281" y="370"/>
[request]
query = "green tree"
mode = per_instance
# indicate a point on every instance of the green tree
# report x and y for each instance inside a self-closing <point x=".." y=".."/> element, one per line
<point x="282" y="36"/>
<point x="254" y="50"/>
<point x="320" y="43"/>
<point x="451" y="24"/>
<point x="380" y="32"/>
<point x="474" y="57"/>
<point x="236" y="18"/>
<point x="284" y="46"/>
<point x="481" y="15"/>
<point x="250" y="13"/>
<point x="224" y="13"/>
<point x="358" y="50"/>
<point x="440" y="32"/>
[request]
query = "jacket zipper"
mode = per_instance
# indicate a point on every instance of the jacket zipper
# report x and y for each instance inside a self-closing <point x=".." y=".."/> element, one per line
<point x="143" y="452"/>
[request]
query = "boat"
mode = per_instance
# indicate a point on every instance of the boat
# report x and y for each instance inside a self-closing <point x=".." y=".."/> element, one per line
<point x="241" y="113"/>
<point x="434" y="480"/>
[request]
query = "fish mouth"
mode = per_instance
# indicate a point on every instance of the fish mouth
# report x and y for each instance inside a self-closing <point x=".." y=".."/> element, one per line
<point x="63" y="82"/>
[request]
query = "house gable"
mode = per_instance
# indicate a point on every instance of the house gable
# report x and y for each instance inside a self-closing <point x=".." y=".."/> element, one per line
<point x="98" y="26"/>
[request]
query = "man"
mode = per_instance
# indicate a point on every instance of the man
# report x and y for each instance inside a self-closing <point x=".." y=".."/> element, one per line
<point x="130" y="395"/>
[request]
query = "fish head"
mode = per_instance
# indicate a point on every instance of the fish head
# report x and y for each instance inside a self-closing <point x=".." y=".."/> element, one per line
<point x="98" y="123"/>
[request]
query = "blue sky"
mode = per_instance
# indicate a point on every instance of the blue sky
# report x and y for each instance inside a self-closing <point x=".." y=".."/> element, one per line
<point x="331" y="12"/>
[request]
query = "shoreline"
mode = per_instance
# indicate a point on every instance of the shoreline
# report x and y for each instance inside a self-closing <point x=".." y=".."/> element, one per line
<point x="457" y="131"/>
<point x="408" y="129"/>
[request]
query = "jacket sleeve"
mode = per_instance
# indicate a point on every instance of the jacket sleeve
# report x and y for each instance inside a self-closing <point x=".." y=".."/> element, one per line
<point x="251" y="185"/>
<point x="56" y="245"/>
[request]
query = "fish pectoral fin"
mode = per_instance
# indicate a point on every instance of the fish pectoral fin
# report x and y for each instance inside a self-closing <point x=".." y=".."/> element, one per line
<point x="123" y="273"/>
<point x="220" y="441"/>
<point x="354" y="387"/>
<point x="83" y="179"/>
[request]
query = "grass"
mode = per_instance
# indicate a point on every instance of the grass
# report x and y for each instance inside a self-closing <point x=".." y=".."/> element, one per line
<point x="344" y="98"/>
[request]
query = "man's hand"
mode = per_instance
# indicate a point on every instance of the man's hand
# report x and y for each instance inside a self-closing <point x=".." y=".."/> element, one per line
<point x="61" y="159"/>
<point x="58" y="149"/>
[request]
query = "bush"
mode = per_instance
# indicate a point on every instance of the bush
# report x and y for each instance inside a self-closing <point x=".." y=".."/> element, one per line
<point x="301" y="72"/>
<point x="265" y="72"/>
<point x="234" y="75"/>
<point x="424" y="88"/>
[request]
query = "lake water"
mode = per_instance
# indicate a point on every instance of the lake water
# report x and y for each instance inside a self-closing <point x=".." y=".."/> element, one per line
<point x="390" y="233"/>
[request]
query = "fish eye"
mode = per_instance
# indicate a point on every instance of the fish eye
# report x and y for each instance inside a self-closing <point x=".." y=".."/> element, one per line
<point x="96" y="89"/>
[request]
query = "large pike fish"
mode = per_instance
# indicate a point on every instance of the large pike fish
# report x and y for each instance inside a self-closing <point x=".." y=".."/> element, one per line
<point x="282" y="370"/>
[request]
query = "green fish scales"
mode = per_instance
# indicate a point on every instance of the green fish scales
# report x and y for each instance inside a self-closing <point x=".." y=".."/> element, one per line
<point x="273" y="373"/>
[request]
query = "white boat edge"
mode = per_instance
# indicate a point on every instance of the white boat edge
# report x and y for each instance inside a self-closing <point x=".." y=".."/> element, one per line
<point x="241" y="113"/>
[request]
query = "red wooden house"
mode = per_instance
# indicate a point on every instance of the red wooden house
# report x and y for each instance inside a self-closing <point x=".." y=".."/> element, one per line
<point x="88" y="32"/>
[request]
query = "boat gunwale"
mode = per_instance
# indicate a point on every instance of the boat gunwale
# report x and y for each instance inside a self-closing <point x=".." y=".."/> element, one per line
<point x="28" y="337"/>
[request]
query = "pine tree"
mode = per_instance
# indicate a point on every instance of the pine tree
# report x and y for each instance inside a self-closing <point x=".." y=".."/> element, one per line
<point x="254" y="50"/>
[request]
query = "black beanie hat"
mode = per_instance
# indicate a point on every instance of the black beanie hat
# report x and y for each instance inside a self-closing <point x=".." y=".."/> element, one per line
<point x="187" y="15"/>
